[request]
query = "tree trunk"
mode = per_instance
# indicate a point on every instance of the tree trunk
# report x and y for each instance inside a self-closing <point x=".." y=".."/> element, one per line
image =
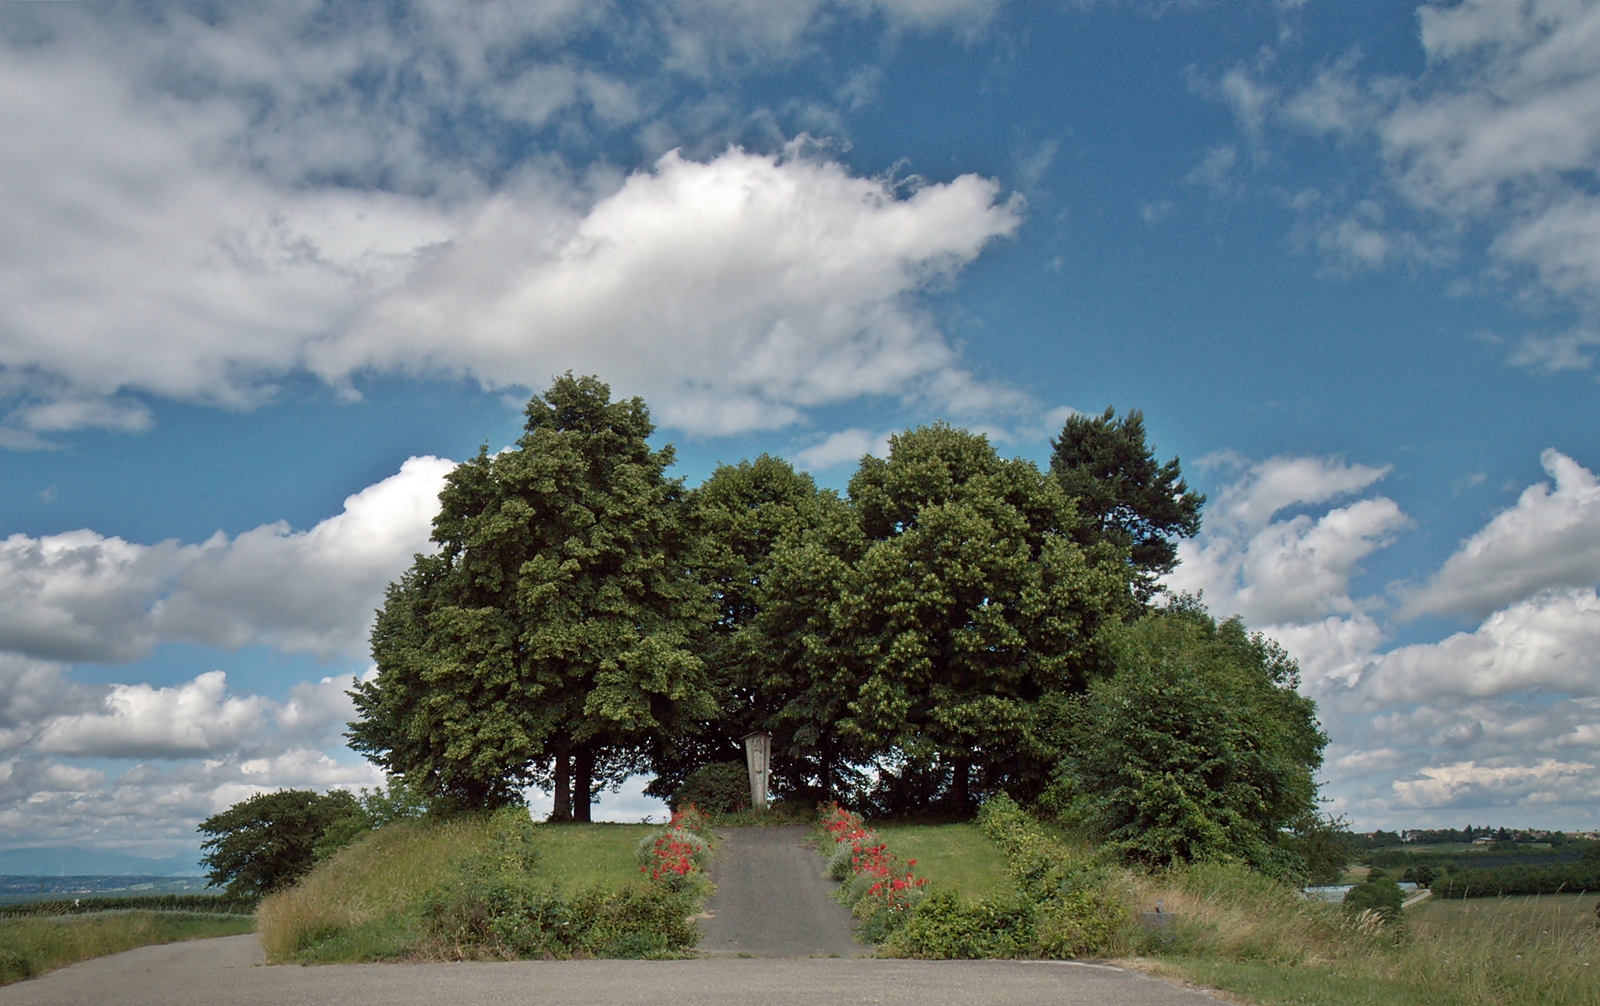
<point x="582" y="783"/>
<point x="961" y="784"/>
<point x="562" y="811"/>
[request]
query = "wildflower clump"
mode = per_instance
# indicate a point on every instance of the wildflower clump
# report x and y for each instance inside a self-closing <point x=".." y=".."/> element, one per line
<point x="678" y="854"/>
<point x="880" y="889"/>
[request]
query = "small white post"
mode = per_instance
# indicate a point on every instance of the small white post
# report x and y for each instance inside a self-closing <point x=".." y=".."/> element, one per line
<point x="758" y="757"/>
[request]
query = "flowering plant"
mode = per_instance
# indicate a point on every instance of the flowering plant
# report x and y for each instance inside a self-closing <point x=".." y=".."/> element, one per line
<point x="877" y="875"/>
<point x="677" y="850"/>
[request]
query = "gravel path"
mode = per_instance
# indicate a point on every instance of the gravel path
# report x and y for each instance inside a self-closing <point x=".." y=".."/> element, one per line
<point x="218" y="973"/>
<point x="772" y="899"/>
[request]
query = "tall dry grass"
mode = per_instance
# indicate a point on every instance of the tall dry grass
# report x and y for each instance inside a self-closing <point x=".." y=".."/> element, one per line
<point x="383" y="876"/>
<point x="1483" y="952"/>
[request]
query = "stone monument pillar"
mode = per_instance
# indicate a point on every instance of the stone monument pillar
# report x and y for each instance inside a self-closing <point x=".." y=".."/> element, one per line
<point x="758" y="757"/>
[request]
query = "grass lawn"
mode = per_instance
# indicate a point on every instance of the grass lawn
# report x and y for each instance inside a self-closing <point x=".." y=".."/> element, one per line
<point x="954" y="857"/>
<point x="573" y="856"/>
<point x="32" y="946"/>
<point x="367" y="902"/>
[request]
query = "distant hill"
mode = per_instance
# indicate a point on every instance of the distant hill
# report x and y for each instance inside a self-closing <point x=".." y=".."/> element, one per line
<point x="70" y="860"/>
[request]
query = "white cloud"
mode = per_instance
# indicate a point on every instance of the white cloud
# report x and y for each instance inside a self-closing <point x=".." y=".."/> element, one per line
<point x="1500" y="136"/>
<point x="139" y="721"/>
<point x="311" y="591"/>
<point x="197" y="208"/>
<point x="736" y="292"/>
<point x="845" y="447"/>
<point x="1502" y="721"/>
<point x="1550" y="643"/>
<point x="82" y="596"/>
<point x="1549" y="539"/>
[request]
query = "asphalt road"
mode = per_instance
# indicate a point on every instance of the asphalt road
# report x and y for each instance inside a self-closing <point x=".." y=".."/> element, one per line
<point x="228" y="972"/>
<point x="772" y="899"/>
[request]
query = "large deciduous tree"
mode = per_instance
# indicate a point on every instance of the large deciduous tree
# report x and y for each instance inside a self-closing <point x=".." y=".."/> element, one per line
<point x="737" y="518"/>
<point x="552" y="637"/>
<point x="968" y="607"/>
<point x="1123" y="494"/>
<point x="268" y="841"/>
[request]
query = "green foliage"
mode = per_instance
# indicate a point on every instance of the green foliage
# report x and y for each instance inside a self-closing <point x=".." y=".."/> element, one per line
<point x="1323" y="847"/>
<point x="969" y="605"/>
<point x="720" y="788"/>
<point x="1124" y="496"/>
<point x="268" y="841"/>
<point x="1381" y="896"/>
<point x="946" y="926"/>
<point x="1199" y="746"/>
<point x="551" y="638"/>
<point x="398" y="801"/>
<point x="1498" y="881"/>
<point x="499" y="907"/>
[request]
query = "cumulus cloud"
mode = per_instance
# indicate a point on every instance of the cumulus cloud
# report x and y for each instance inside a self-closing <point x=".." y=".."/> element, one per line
<point x="1499" y="721"/>
<point x="141" y="721"/>
<point x="81" y="596"/>
<point x="738" y="292"/>
<point x="196" y="208"/>
<point x="1293" y="571"/>
<point x="845" y="447"/>
<point x="1550" y="539"/>
<point x="1500" y="136"/>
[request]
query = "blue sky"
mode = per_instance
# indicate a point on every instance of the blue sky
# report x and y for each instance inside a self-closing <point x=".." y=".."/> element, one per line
<point x="268" y="269"/>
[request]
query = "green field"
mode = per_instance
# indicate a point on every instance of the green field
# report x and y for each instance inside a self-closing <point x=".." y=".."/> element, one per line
<point x="369" y="901"/>
<point x="32" y="946"/>
<point x="954" y="857"/>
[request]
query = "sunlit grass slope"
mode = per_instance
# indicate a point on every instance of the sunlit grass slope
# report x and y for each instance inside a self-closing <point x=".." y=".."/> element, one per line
<point x="1258" y="940"/>
<point x="954" y="857"/>
<point x="368" y="901"/>
<point x="32" y="946"/>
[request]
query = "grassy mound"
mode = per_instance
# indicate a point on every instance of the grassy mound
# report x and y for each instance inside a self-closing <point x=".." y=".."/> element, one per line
<point x="958" y="858"/>
<point x="32" y="946"/>
<point x="483" y="886"/>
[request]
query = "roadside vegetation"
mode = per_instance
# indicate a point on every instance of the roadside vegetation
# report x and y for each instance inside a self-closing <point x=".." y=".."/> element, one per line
<point x="32" y="945"/>
<point x="1237" y="929"/>
<point x="494" y="886"/>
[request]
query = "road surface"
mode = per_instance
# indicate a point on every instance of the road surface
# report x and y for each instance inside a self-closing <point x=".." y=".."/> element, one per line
<point x="228" y="972"/>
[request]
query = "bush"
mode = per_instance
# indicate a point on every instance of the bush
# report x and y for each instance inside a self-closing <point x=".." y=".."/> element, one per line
<point x="946" y="926"/>
<point x="497" y="910"/>
<point x="1381" y="896"/>
<point x="720" y="788"/>
<point x="1198" y="746"/>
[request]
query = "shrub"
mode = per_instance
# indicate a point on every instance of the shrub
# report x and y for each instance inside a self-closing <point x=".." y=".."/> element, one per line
<point x="718" y="788"/>
<point x="497" y="910"/>
<point x="1198" y="746"/>
<point x="946" y="926"/>
<point x="1380" y="896"/>
<point x="1076" y="911"/>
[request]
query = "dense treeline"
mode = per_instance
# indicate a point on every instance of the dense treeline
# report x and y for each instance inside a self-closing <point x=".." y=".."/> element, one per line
<point x="955" y="624"/>
<point x="1493" y="882"/>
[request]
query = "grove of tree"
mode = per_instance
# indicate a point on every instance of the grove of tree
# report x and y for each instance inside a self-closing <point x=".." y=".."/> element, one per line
<point x="954" y="624"/>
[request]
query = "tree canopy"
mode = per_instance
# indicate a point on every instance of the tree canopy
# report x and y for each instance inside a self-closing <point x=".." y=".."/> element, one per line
<point x="268" y="841"/>
<point x="1198" y="746"/>
<point x="1123" y="493"/>
<point x="550" y="638"/>
<point x="956" y="624"/>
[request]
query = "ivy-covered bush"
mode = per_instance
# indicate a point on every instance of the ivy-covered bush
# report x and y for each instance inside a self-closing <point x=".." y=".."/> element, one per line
<point x="719" y="788"/>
